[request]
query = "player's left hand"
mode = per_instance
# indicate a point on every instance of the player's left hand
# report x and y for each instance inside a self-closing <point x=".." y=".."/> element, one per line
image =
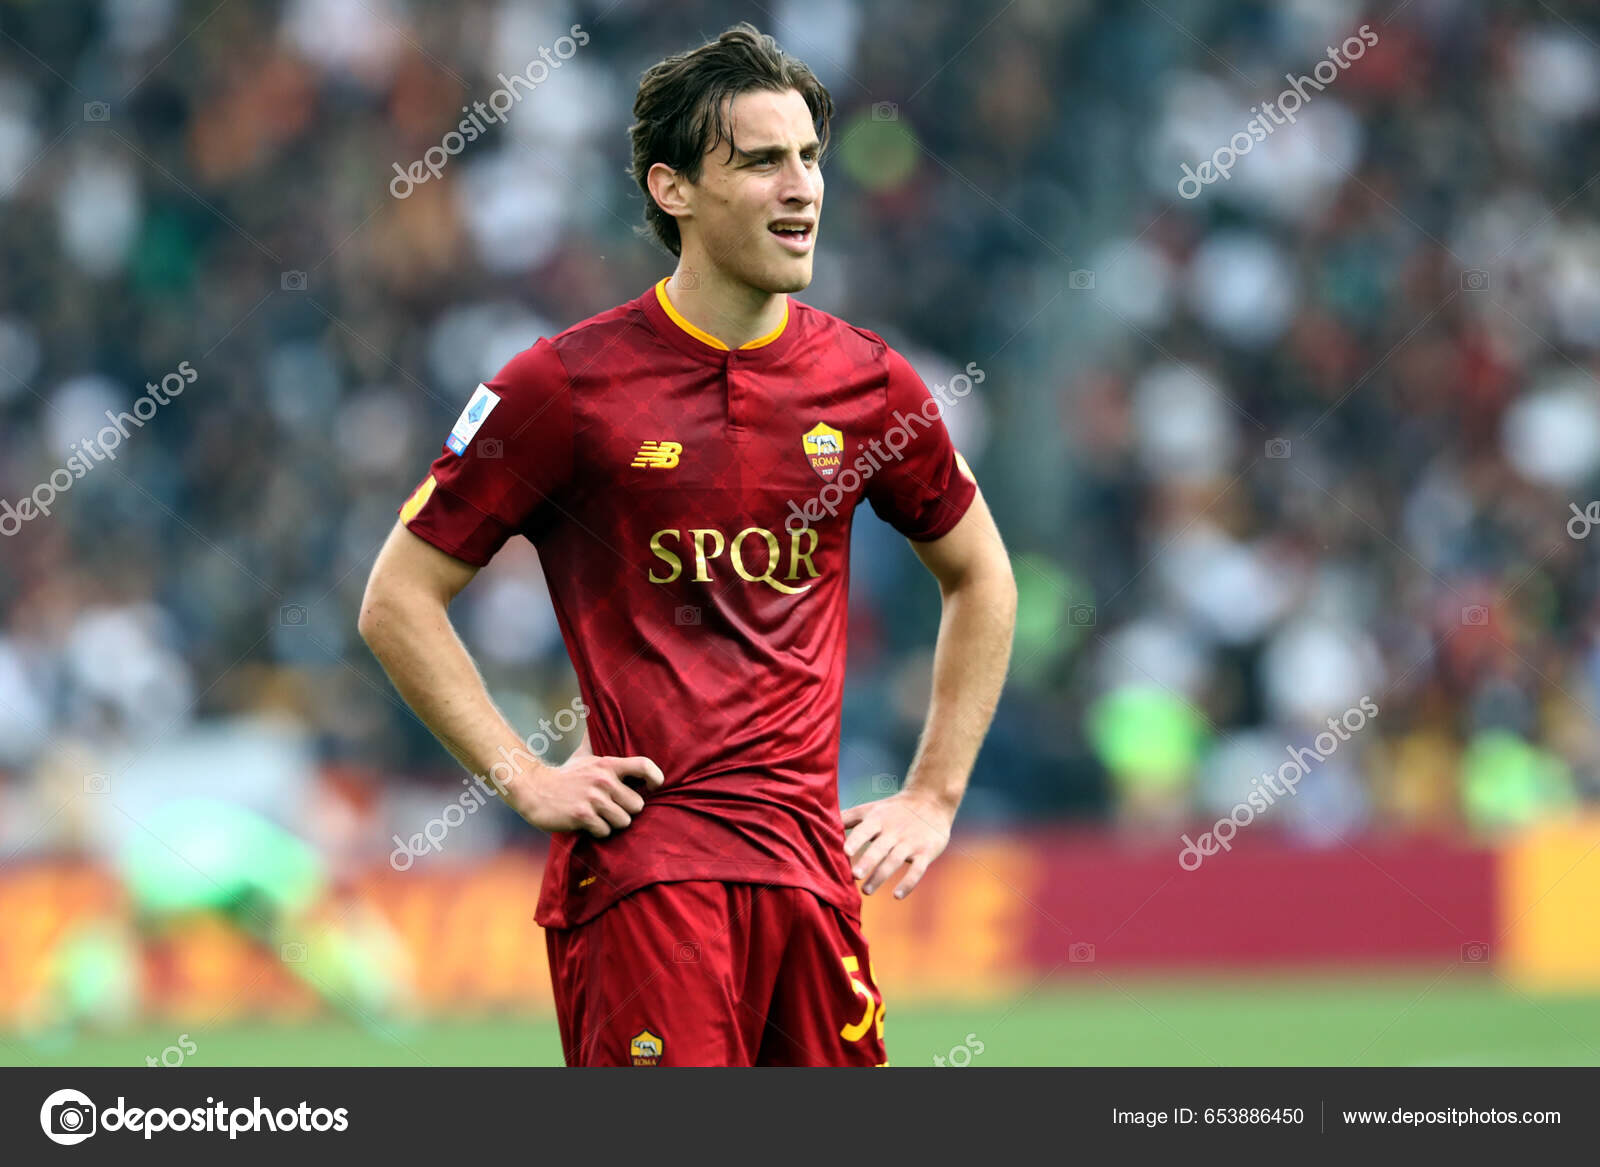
<point x="883" y="837"/>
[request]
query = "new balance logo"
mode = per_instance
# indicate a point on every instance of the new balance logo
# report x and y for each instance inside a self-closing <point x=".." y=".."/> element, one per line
<point x="657" y="455"/>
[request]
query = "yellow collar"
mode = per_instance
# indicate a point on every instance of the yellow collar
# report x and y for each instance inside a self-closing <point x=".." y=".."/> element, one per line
<point x="705" y="337"/>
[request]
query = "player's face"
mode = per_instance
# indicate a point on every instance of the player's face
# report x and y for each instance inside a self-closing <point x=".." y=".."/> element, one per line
<point x="742" y="205"/>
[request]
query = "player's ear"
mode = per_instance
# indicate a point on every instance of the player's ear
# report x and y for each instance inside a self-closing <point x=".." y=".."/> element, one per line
<point x="670" y="190"/>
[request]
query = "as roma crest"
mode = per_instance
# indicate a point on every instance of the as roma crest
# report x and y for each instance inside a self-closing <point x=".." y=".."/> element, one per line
<point x="824" y="448"/>
<point x="646" y="1049"/>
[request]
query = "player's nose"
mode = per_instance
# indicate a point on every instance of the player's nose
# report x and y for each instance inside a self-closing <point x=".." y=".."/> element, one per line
<point x="797" y="188"/>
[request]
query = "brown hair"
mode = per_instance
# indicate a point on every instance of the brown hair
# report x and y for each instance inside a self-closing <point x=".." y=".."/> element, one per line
<point x="679" y="114"/>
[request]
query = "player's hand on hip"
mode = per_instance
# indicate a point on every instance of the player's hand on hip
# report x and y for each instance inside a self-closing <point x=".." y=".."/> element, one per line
<point x="586" y="794"/>
<point x="883" y="838"/>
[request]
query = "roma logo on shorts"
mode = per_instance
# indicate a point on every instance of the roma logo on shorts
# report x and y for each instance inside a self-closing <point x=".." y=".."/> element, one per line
<point x="824" y="447"/>
<point x="646" y="1049"/>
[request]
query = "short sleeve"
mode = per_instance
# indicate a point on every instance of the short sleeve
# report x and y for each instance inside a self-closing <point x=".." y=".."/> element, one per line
<point x="505" y="462"/>
<point x="924" y="491"/>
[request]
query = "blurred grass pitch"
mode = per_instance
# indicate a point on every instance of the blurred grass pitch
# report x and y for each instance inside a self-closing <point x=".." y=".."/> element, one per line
<point x="1458" y="1017"/>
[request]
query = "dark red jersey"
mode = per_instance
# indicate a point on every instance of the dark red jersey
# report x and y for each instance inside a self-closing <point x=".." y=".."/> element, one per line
<point x="691" y="507"/>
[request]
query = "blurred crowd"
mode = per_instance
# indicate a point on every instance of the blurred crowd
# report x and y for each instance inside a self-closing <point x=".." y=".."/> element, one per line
<point x="1328" y="431"/>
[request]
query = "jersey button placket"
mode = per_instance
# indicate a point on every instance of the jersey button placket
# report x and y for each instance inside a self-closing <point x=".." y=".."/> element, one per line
<point x="735" y="398"/>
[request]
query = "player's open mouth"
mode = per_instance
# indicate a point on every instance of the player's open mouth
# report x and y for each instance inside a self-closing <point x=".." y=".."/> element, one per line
<point x="794" y="235"/>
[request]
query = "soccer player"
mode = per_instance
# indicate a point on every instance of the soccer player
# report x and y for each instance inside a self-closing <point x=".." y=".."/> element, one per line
<point x="688" y="466"/>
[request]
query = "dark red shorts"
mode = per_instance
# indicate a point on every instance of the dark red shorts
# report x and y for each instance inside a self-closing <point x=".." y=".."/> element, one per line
<point x="716" y="974"/>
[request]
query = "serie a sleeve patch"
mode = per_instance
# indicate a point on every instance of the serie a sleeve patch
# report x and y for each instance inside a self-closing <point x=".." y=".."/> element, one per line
<point x="472" y="417"/>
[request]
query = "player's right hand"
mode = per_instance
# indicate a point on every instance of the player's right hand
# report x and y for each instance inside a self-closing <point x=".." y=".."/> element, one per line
<point x="586" y="794"/>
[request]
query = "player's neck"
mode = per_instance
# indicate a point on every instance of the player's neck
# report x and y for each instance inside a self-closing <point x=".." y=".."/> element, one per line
<point x="733" y="312"/>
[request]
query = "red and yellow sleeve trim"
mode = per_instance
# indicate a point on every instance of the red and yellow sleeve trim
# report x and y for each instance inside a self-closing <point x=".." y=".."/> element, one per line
<point x="419" y="499"/>
<point x="705" y="337"/>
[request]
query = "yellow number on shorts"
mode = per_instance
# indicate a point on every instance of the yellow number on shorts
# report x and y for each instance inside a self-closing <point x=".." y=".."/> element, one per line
<point x="857" y="1031"/>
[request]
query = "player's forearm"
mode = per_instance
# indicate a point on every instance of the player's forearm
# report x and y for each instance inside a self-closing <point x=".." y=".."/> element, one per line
<point x="413" y="639"/>
<point x="969" y="670"/>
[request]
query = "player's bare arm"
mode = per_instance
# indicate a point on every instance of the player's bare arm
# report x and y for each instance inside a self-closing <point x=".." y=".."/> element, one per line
<point x="907" y="831"/>
<point x="405" y="621"/>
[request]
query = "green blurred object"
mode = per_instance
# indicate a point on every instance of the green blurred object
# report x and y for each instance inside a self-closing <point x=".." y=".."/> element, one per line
<point x="877" y="150"/>
<point x="357" y="963"/>
<point x="98" y="975"/>
<point x="1508" y="782"/>
<point x="1053" y="615"/>
<point x="1146" y="736"/>
<point x="199" y="853"/>
<point x="163" y="259"/>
